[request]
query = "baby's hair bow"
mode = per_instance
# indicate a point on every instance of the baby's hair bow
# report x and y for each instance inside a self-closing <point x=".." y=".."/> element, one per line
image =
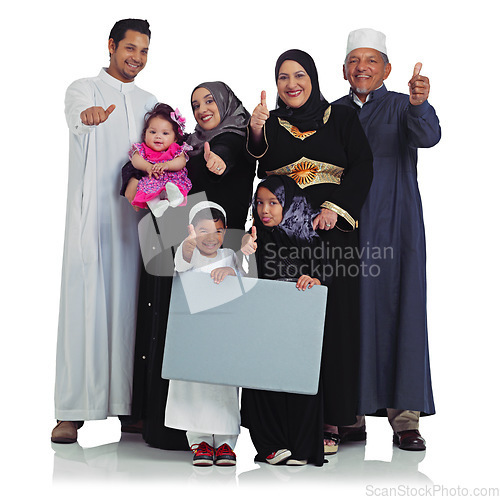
<point x="179" y="119"/>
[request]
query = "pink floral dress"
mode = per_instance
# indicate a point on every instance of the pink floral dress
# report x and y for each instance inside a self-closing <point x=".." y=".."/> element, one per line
<point x="150" y="188"/>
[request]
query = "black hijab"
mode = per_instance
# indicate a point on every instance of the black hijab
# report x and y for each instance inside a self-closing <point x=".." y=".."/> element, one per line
<point x="298" y="215"/>
<point x="310" y="115"/>
<point x="233" y="116"/>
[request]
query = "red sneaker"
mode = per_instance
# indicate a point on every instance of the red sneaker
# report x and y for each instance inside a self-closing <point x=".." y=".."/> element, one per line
<point x="225" y="455"/>
<point x="203" y="454"/>
<point x="278" y="456"/>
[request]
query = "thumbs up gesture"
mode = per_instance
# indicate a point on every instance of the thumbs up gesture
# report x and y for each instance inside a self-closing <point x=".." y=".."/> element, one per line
<point x="189" y="244"/>
<point x="249" y="242"/>
<point x="214" y="162"/>
<point x="419" y="86"/>
<point x="96" y="115"/>
<point x="260" y="115"/>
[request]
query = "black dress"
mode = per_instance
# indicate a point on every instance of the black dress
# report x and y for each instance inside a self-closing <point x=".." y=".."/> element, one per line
<point x="333" y="166"/>
<point x="281" y="420"/>
<point x="232" y="190"/>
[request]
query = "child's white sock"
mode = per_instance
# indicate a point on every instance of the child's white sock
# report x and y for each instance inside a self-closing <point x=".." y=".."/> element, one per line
<point x="174" y="195"/>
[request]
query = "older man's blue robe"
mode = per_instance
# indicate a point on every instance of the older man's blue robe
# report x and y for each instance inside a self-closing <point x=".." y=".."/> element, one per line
<point x="394" y="360"/>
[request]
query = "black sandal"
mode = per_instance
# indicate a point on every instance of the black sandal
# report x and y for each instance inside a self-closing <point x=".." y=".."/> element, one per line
<point x="331" y="449"/>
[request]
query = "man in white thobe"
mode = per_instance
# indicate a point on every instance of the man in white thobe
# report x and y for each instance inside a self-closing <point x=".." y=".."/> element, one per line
<point x="101" y="262"/>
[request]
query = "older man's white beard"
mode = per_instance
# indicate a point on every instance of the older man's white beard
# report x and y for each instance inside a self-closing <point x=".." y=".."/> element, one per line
<point x="362" y="91"/>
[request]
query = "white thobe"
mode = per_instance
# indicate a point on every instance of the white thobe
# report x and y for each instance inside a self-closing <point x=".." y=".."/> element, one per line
<point x="101" y="262"/>
<point x="196" y="407"/>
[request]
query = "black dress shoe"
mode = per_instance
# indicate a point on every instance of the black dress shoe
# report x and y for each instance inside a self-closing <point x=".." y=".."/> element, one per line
<point x="409" y="440"/>
<point x="352" y="434"/>
<point x="132" y="428"/>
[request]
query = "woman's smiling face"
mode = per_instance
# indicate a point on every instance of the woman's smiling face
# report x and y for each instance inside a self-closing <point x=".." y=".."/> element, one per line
<point x="294" y="84"/>
<point x="205" y="110"/>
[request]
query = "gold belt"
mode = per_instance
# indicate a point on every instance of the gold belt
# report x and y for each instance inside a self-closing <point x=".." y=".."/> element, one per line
<point x="306" y="172"/>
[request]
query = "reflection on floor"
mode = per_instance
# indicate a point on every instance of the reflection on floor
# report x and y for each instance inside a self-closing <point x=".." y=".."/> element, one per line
<point x="131" y="462"/>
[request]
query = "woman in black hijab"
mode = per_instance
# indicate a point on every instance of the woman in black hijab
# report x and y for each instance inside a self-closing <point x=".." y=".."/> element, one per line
<point x="324" y="150"/>
<point x="309" y="115"/>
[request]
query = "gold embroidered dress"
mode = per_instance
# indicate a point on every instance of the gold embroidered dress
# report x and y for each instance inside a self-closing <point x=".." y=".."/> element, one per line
<point x="333" y="165"/>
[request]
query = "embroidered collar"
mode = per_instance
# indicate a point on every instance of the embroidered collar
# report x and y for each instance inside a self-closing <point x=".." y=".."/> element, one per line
<point x="296" y="132"/>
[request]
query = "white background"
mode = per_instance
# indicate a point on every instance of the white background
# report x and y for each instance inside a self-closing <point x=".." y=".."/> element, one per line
<point x="47" y="45"/>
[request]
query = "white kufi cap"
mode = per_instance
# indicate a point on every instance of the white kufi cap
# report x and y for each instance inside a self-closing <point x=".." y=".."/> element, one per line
<point x="366" y="37"/>
<point x="202" y="205"/>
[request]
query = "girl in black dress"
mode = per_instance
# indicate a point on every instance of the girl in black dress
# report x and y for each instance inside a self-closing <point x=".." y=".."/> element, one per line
<point x="285" y="428"/>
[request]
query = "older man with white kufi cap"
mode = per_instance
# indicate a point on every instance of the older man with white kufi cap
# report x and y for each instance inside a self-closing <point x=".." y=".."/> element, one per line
<point x="394" y="367"/>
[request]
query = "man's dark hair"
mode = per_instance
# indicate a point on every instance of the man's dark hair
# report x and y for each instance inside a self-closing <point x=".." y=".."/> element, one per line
<point x="120" y="28"/>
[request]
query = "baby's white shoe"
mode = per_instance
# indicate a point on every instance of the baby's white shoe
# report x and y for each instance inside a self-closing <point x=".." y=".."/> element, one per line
<point x="174" y="195"/>
<point x="158" y="207"/>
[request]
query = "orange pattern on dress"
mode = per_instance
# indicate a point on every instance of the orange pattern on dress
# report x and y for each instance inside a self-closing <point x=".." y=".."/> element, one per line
<point x="304" y="172"/>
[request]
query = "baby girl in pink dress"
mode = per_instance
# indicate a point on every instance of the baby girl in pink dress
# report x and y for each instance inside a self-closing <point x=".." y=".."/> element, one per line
<point x="162" y="155"/>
